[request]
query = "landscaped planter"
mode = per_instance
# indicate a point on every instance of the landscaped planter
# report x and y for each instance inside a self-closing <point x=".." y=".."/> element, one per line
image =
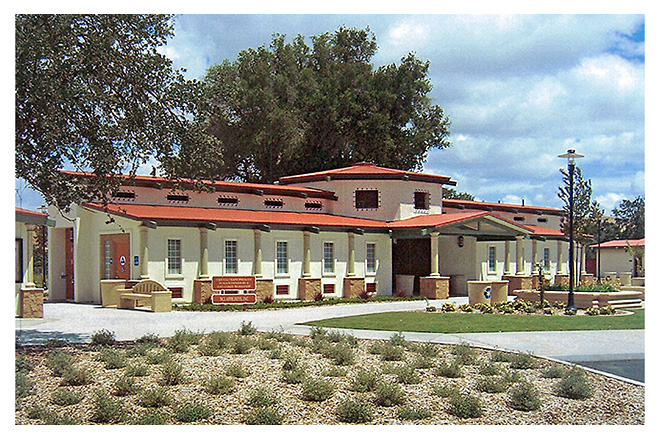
<point x="584" y="300"/>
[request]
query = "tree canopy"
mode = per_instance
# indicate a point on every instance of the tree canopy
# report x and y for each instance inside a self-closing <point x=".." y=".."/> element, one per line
<point x="93" y="93"/>
<point x="585" y="210"/>
<point x="291" y="108"/>
<point x="629" y="218"/>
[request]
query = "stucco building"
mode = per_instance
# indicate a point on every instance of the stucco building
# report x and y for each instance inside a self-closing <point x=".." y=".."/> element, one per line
<point x="338" y="232"/>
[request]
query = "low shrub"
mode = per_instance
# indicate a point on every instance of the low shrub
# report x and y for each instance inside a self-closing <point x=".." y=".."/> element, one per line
<point x="465" y="308"/>
<point x="553" y="372"/>
<point x="408" y="375"/>
<point x="213" y="343"/>
<point x="452" y="370"/>
<point x="77" y="376"/>
<point x="297" y="375"/>
<point x="171" y="373"/>
<point x="524" y="396"/>
<point x="445" y="390"/>
<point x="334" y="371"/>
<point x="182" y="339"/>
<point x="607" y="310"/>
<point x="56" y="343"/>
<point x="491" y="384"/>
<point x="511" y="376"/>
<point x="64" y="397"/>
<point x="398" y="339"/>
<point x="218" y="385"/>
<point x="152" y="417"/>
<point x="158" y="357"/>
<point x="317" y="390"/>
<point x="523" y="361"/>
<point x="592" y="311"/>
<point x="342" y="354"/>
<point x="423" y="362"/>
<point x="291" y="361"/>
<point x="107" y="409"/>
<point x="149" y="339"/>
<point x="448" y="307"/>
<point x="263" y="416"/>
<point x="59" y="362"/>
<point x="241" y="345"/>
<point x="574" y="385"/>
<point x="317" y="332"/>
<point x="365" y="380"/>
<point x="391" y="352"/>
<point x="489" y="369"/>
<point x="500" y="356"/>
<point x="464" y="353"/>
<point x="465" y="406"/>
<point x="247" y="328"/>
<point x="354" y="411"/>
<point x="23" y="385"/>
<point x="22" y="364"/>
<point x="570" y="312"/>
<point x="137" y="370"/>
<point x="191" y="412"/>
<point x="431" y="309"/>
<point x="262" y="398"/>
<point x="157" y="397"/>
<point x="125" y="386"/>
<point x="103" y="337"/>
<point x="267" y="344"/>
<point x="389" y="394"/>
<point x="113" y="359"/>
<point x="407" y="412"/>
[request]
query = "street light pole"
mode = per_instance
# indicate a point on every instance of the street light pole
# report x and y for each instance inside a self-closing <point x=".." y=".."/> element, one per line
<point x="571" y="155"/>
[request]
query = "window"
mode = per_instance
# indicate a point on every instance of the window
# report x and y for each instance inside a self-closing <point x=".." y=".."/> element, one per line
<point x="366" y="199"/>
<point x="174" y="256"/>
<point x="107" y="266"/>
<point x="328" y="289"/>
<point x="542" y="220"/>
<point x="183" y="198"/>
<point x="371" y="257"/>
<point x="546" y="258"/>
<point x="231" y="259"/>
<point x="282" y="257"/>
<point x="421" y="200"/>
<point x="282" y="289"/>
<point x="128" y="195"/>
<point x="519" y="219"/>
<point x="328" y="258"/>
<point x="492" y="259"/>
<point x="19" y="260"/>
<point x="228" y="200"/>
<point x="273" y="203"/>
<point x="315" y="206"/>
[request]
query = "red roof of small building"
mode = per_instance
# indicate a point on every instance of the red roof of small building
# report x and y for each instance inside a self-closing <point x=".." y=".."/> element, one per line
<point x="28" y="213"/>
<point x="240" y="216"/>
<point x="439" y="220"/>
<point x="471" y="204"/>
<point x="366" y="170"/>
<point x="621" y="243"/>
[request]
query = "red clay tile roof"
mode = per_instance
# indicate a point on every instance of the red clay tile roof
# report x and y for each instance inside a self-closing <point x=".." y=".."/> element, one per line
<point x="439" y="220"/>
<point x="241" y="216"/>
<point x="28" y="213"/>
<point x="469" y="204"/>
<point x="621" y="243"/>
<point x="365" y="170"/>
<point x="545" y="231"/>
<point x="222" y="185"/>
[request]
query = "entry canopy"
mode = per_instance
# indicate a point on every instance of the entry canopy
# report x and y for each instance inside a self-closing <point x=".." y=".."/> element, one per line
<point x="482" y="225"/>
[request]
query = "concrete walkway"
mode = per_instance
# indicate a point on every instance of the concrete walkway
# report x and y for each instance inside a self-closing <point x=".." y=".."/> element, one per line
<point x="77" y="322"/>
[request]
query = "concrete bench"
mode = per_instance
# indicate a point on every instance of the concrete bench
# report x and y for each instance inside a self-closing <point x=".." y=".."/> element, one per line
<point x="155" y="295"/>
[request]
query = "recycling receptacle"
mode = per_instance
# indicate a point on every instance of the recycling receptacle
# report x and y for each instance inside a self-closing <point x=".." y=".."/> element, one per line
<point x="479" y="292"/>
<point x="499" y="291"/>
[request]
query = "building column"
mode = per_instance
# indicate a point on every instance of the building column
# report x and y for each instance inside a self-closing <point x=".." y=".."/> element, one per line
<point x="28" y="275"/>
<point x="307" y="257"/>
<point x="507" y="257"/>
<point x="435" y="245"/>
<point x="144" y="252"/>
<point x="534" y="254"/>
<point x="560" y="257"/>
<point x="583" y="260"/>
<point x="351" y="254"/>
<point x="520" y="257"/>
<point x="203" y="253"/>
<point x="256" y="268"/>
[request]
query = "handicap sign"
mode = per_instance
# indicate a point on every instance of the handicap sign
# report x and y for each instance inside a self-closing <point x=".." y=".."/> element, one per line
<point x="122" y="260"/>
<point x="487" y="293"/>
<point x="136" y="261"/>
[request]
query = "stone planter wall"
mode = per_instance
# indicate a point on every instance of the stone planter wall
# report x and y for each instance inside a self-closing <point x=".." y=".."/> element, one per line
<point x="31" y="303"/>
<point x="434" y="287"/>
<point x="353" y="287"/>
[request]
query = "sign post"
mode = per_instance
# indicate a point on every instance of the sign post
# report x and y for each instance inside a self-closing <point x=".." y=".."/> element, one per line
<point x="234" y="290"/>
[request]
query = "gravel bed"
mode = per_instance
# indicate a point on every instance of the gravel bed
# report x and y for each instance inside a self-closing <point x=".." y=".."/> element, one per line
<point x="613" y="402"/>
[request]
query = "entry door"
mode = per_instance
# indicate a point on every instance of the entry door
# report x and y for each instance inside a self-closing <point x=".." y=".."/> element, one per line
<point x="411" y="257"/>
<point x="115" y="256"/>
<point x="68" y="264"/>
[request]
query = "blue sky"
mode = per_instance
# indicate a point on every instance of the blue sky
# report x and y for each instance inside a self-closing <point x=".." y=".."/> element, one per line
<point x="519" y="90"/>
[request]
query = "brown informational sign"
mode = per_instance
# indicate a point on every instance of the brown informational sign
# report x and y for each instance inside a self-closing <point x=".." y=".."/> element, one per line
<point x="234" y="283"/>
<point x="233" y="298"/>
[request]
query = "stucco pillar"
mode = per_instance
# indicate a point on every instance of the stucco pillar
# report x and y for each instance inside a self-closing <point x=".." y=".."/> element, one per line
<point x="203" y="253"/>
<point x="535" y="243"/>
<point x="144" y="252"/>
<point x="560" y="257"/>
<point x="351" y="254"/>
<point x="583" y="260"/>
<point x="306" y="255"/>
<point x="520" y="257"/>
<point x="435" y="271"/>
<point x="28" y="276"/>
<point x="256" y="268"/>
<point x="507" y="257"/>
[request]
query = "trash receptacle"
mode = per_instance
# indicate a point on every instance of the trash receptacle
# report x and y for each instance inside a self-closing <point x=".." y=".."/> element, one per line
<point x="499" y="291"/>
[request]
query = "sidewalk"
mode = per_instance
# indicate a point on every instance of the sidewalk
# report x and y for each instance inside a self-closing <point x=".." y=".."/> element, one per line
<point x="77" y="322"/>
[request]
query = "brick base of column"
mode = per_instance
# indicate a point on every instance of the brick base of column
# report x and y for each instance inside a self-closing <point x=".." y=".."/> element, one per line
<point x="562" y="279"/>
<point x="434" y="287"/>
<point x="518" y="282"/>
<point x="202" y="291"/>
<point x="308" y="288"/>
<point x="587" y="278"/>
<point x="353" y="287"/>
<point x="264" y="290"/>
<point x="31" y="303"/>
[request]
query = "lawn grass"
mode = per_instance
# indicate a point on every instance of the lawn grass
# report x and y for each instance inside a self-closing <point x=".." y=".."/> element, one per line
<point x="481" y="323"/>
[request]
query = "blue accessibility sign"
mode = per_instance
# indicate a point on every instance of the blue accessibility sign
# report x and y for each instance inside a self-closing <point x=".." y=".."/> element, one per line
<point x="122" y="260"/>
<point x="487" y="293"/>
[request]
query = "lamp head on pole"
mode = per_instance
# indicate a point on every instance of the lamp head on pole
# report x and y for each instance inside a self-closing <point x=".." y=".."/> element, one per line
<point x="571" y="155"/>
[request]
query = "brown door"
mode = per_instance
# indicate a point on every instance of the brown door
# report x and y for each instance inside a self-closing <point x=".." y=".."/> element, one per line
<point x="115" y="257"/>
<point x="68" y="264"/>
<point x="411" y="257"/>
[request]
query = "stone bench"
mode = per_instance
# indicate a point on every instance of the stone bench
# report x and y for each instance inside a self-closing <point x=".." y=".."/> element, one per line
<point x="156" y="296"/>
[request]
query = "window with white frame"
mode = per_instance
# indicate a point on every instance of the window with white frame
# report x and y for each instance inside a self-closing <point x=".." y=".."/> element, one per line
<point x="371" y="257"/>
<point x="328" y="257"/>
<point x="282" y="257"/>
<point x="174" y="256"/>
<point x="231" y="258"/>
<point x="492" y="259"/>
<point x="546" y="258"/>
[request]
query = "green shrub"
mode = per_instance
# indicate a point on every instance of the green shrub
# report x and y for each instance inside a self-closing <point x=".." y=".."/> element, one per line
<point x="523" y="361"/>
<point x="511" y="376"/>
<point x="342" y="354"/>
<point x="279" y="335"/>
<point x="445" y="390"/>
<point x="408" y="412"/>
<point x="297" y="375"/>
<point x="181" y="341"/>
<point x="23" y="385"/>
<point x="334" y="371"/>
<point x="466" y="308"/>
<point x="397" y="339"/>
<point x="107" y="409"/>
<point x="408" y="375"/>
<point x="570" y="312"/>
<point x="247" y="328"/>
<point x="241" y="345"/>
<point x="291" y="362"/>
<point x="267" y="344"/>
<point x="592" y="311"/>
<point x="449" y="307"/>
<point x="158" y="357"/>
<point x="137" y="370"/>
<point x="191" y="412"/>
<point x="500" y="356"/>
<point x="423" y="362"/>
<point x="574" y="385"/>
<point x="64" y="397"/>
<point x="365" y="380"/>
<point x="465" y="406"/>
<point x="524" y="397"/>
<point x="354" y="411"/>
<point x="263" y="416"/>
<point x="389" y="394"/>
<point x="56" y="343"/>
<point x="427" y="349"/>
<point x="376" y="347"/>
<point x="172" y="373"/>
<point x="22" y="364"/>
<point x="152" y="417"/>
<point x="489" y="369"/>
<point x="317" y="390"/>
<point x="452" y="370"/>
<point x="149" y="339"/>
<point x="262" y="398"/>
<point x="431" y="309"/>
<point x="103" y="338"/>
<point x="213" y="343"/>
<point x="491" y="384"/>
<point x="276" y="353"/>
<point x="59" y="362"/>
<point x="76" y="377"/>
<point x="218" y="385"/>
<point x="155" y="398"/>
<point x="318" y="332"/>
<point x="112" y="359"/>
<point x="125" y="386"/>
<point x="607" y="310"/>
<point x="553" y="372"/>
<point x="391" y="352"/>
<point x="464" y="353"/>
<point x="237" y="370"/>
